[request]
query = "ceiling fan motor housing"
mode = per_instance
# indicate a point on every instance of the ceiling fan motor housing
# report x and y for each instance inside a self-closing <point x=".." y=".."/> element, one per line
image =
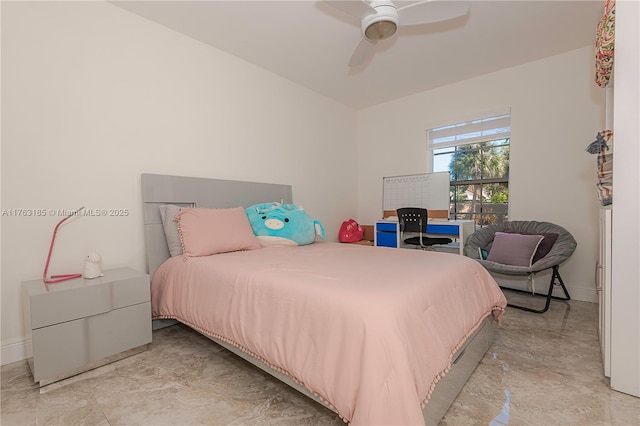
<point x="383" y="23"/>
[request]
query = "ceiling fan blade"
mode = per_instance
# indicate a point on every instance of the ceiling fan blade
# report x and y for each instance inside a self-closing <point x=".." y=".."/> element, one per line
<point x="362" y="53"/>
<point x="430" y="11"/>
<point x="357" y="8"/>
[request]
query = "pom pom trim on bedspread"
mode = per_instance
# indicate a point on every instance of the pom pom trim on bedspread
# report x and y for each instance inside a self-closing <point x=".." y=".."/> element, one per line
<point x="496" y="311"/>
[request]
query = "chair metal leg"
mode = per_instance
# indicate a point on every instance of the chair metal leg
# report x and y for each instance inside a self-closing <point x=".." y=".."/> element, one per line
<point x="549" y="295"/>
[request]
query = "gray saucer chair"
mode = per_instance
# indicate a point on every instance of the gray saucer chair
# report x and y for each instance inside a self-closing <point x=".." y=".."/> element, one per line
<point x="560" y="251"/>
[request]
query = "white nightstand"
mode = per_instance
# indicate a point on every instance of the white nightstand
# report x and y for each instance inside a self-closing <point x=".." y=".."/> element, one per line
<point x="81" y="324"/>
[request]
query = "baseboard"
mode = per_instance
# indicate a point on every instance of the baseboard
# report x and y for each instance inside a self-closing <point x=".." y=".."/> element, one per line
<point x="584" y="294"/>
<point x="14" y="351"/>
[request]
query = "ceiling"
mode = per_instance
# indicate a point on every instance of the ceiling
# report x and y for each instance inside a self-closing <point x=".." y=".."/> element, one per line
<point x="310" y="43"/>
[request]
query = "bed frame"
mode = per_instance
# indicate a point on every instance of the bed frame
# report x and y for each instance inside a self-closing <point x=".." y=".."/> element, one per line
<point x="158" y="190"/>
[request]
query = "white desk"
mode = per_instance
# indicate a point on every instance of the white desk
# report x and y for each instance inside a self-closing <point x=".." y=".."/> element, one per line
<point x="387" y="232"/>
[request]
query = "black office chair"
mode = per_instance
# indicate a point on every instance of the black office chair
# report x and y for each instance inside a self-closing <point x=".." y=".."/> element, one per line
<point x="413" y="219"/>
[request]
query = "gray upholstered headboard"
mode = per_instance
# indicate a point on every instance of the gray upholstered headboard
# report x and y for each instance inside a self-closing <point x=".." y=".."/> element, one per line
<point x="158" y="190"/>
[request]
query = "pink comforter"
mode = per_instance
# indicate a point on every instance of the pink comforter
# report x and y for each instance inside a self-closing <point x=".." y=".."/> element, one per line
<point x="370" y="330"/>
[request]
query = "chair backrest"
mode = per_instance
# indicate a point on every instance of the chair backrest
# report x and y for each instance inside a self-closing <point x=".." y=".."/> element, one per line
<point x="412" y="219"/>
<point x="560" y="251"/>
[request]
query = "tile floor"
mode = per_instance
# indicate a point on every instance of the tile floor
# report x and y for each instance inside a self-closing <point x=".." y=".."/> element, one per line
<point x="542" y="370"/>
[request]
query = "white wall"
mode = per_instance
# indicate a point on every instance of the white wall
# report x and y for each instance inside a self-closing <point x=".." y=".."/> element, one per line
<point x="556" y="111"/>
<point x="625" y="295"/>
<point x="93" y="96"/>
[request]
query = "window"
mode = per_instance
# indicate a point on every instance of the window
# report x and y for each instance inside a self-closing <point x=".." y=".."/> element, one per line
<point x="476" y="154"/>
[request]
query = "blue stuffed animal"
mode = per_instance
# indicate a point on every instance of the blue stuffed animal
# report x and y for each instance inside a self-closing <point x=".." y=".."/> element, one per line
<point x="276" y="224"/>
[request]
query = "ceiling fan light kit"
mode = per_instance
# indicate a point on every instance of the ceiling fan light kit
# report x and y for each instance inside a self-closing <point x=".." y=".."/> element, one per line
<point x="383" y="23"/>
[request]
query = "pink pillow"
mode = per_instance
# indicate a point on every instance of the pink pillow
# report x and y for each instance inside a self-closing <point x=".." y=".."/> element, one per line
<point x="548" y="240"/>
<point x="514" y="249"/>
<point x="210" y="231"/>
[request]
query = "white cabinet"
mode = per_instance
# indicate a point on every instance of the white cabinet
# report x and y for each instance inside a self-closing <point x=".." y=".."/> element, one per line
<point x="603" y="286"/>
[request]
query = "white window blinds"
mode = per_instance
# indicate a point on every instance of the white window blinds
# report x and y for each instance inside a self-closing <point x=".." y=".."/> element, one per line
<point x="473" y="131"/>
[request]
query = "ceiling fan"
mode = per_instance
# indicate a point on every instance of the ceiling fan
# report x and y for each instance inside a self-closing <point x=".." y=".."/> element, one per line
<point x="380" y="19"/>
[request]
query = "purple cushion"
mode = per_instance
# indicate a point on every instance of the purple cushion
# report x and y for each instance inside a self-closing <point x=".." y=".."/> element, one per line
<point x="545" y="245"/>
<point x="514" y="249"/>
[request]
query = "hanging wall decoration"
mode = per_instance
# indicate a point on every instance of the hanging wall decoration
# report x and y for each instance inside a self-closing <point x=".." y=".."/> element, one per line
<point x="605" y="34"/>
<point x="603" y="147"/>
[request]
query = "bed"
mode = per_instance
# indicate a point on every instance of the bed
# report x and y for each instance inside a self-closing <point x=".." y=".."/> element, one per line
<point x="378" y="335"/>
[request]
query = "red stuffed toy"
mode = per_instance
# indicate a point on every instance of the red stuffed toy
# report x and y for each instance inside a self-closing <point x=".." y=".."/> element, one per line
<point x="350" y="232"/>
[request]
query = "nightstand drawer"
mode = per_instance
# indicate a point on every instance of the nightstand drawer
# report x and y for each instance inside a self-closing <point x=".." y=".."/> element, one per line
<point x="66" y="301"/>
<point x="62" y="349"/>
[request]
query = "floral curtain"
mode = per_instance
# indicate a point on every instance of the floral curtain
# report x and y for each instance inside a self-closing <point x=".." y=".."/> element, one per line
<point x="604" y="43"/>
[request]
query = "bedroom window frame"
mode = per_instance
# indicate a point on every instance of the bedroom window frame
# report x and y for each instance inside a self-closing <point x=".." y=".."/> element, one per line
<point x="482" y="135"/>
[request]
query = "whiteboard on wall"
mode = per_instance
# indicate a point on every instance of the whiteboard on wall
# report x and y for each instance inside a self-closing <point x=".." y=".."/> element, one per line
<point x="427" y="190"/>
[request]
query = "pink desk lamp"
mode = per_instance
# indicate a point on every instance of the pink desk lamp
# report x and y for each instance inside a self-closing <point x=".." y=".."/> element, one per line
<point x="62" y="277"/>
